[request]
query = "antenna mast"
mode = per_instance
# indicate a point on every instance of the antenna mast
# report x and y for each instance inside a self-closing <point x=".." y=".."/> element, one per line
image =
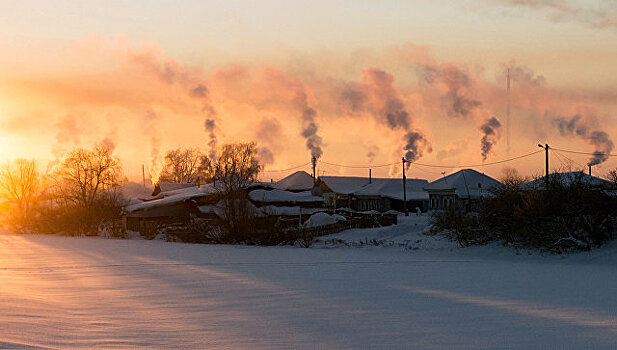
<point x="508" y="115"/>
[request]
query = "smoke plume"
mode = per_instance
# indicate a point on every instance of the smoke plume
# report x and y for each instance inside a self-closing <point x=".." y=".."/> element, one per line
<point x="521" y="75"/>
<point x="415" y="143"/>
<point x="600" y="140"/>
<point x="265" y="155"/>
<point x="270" y="137"/>
<point x="156" y="161"/>
<point x="377" y="95"/>
<point x="372" y="153"/>
<point x="68" y="135"/>
<point x="202" y="92"/>
<point x="309" y="125"/>
<point x="490" y="134"/>
<point x="455" y="85"/>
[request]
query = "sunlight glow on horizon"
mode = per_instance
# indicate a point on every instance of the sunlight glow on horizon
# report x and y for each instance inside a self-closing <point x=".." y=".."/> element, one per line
<point x="128" y="74"/>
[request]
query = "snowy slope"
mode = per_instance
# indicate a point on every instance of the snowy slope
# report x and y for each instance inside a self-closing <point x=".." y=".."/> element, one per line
<point x="62" y="292"/>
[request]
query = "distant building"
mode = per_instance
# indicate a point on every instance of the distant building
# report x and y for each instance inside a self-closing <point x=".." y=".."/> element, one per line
<point x="387" y="194"/>
<point x="300" y="181"/>
<point x="365" y="194"/>
<point x="569" y="178"/>
<point x="338" y="191"/>
<point x="462" y="190"/>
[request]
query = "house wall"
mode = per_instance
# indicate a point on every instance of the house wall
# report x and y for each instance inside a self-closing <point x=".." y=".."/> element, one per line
<point x="442" y="201"/>
<point x="411" y="205"/>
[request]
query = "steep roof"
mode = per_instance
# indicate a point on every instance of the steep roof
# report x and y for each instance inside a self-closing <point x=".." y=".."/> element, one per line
<point x="344" y="184"/>
<point x="276" y="195"/>
<point x="171" y="197"/>
<point x="298" y="181"/>
<point x="393" y="189"/>
<point x="465" y="183"/>
<point x="170" y="186"/>
<point x="568" y="178"/>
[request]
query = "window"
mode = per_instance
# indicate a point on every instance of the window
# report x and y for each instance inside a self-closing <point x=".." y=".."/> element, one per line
<point x="434" y="203"/>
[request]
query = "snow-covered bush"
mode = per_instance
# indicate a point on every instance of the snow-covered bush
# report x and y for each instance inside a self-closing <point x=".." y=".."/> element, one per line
<point x="320" y="219"/>
<point x="568" y="216"/>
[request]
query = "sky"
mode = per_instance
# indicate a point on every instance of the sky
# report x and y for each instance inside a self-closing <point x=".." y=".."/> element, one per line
<point x="356" y="83"/>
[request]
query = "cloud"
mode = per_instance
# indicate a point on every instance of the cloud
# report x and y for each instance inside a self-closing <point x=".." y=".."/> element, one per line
<point x="602" y="14"/>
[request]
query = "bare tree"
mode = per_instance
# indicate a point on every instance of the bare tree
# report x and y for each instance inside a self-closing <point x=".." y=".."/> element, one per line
<point x="511" y="178"/>
<point x="612" y="176"/>
<point x="85" y="185"/>
<point x="19" y="183"/>
<point x="236" y="168"/>
<point x="186" y="166"/>
<point x="84" y="174"/>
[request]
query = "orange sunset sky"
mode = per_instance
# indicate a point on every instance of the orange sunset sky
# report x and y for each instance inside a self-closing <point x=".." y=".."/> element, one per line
<point x="361" y="76"/>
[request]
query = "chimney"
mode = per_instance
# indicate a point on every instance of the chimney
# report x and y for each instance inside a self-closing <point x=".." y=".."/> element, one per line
<point x="157" y="190"/>
<point x="589" y="168"/>
<point x="370" y="176"/>
<point x="198" y="182"/>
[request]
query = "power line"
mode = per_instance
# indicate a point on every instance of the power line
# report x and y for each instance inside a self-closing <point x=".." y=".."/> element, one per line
<point x="573" y="162"/>
<point x="281" y="170"/>
<point x="434" y="165"/>
<point x="358" y="166"/>
<point x="476" y="165"/>
<point x="587" y="153"/>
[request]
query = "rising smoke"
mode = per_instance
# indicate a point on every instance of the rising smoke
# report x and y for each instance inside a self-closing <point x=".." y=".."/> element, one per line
<point x="309" y="125"/>
<point x="455" y="84"/>
<point x="372" y="153"/>
<point x="270" y="137"/>
<point x="490" y="134"/>
<point x="415" y="143"/>
<point x="376" y="94"/>
<point x="156" y="162"/>
<point x="577" y="126"/>
<point x="202" y="92"/>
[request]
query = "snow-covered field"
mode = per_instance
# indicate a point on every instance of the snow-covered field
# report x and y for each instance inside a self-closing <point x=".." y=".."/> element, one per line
<point x="63" y="292"/>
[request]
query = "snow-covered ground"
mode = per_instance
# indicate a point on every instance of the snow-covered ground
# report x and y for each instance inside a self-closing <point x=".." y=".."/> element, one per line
<point x="63" y="292"/>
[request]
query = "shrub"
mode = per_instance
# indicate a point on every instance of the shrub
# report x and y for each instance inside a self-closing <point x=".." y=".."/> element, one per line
<point x="459" y="226"/>
<point x="568" y="216"/>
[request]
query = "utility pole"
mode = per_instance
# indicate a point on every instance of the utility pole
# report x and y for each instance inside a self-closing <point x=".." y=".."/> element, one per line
<point x="546" y="148"/>
<point x="314" y="161"/>
<point x="404" y="189"/>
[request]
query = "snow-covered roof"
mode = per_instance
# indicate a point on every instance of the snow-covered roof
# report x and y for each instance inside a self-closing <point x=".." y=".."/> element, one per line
<point x="133" y="191"/>
<point x="219" y="208"/>
<point x="344" y="184"/>
<point x="175" y="196"/>
<point x="465" y="183"/>
<point x="393" y="189"/>
<point x="274" y="210"/>
<point x="276" y="195"/>
<point x="170" y="186"/>
<point x="568" y="179"/>
<point x="298" y="181"/>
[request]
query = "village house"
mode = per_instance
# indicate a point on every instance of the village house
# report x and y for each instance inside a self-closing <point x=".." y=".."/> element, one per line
<point x="462" y="190"/>
<point x="167" y="207"/>
<point x="337" y="191"/>
<point x="300" y="181"/>
<point x="387" y="194"/>
<point x="569" y="178"/>
<point x="182" y="202"/>
<point x="274" y="202"/>
<point x="370" y="194"/>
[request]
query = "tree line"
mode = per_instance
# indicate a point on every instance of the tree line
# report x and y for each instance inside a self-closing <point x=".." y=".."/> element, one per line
<point x="82" y="195"/>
